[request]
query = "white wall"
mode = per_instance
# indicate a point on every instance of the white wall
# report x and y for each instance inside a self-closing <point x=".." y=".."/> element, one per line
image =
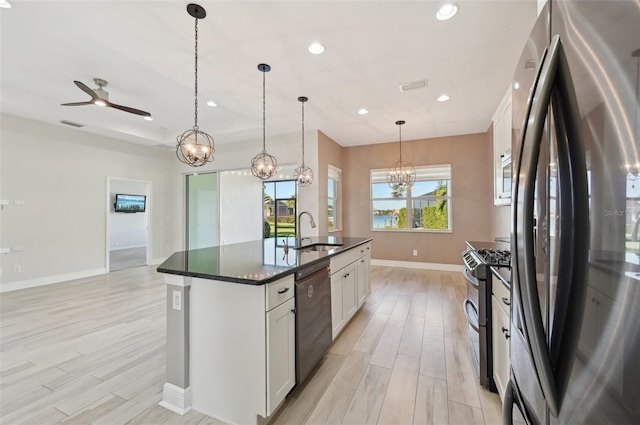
<point x="241" y="204"/>
<point x="60" y="174"/>
<point x="127" y="230"/>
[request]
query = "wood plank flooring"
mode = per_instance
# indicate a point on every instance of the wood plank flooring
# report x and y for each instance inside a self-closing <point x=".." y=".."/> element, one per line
<point x="92" y="351"/>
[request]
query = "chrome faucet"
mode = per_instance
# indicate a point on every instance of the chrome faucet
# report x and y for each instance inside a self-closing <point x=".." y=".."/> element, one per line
<point x="299" y="231"/>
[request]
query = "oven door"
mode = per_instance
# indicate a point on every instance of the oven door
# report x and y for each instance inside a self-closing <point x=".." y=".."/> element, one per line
<point x="475" y="304"/>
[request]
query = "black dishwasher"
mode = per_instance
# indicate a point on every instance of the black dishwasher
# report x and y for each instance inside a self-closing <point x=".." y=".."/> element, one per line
<point x="313" y="317"/>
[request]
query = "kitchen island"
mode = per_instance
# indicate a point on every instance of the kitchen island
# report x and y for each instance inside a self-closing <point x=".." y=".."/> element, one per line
<point x="231" y="321"/>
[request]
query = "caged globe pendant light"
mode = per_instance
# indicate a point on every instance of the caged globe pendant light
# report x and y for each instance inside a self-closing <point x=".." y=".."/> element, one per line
<point x="195" y="147"/>
<point x="303" y="174"/>
<point x="264" y="165"/>
<point x="401" y="173"/>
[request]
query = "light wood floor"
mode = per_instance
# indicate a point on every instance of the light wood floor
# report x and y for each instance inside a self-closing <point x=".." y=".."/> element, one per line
<point x="93" y="351"/>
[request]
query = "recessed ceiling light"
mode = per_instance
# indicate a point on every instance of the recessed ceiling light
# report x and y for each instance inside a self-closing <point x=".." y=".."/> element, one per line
<point x="443" y="98"/>
<point x="148" y="118"/>
<point x="363" y="111"/>
<point x="316" y="48"/>
<point x="5" y="4"/>
<point x="211" y="103"/>
<point x="516" y="85"/>
<point x="446" y="11"/>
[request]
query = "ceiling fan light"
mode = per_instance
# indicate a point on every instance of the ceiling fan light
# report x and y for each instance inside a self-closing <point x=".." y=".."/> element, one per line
<point x="100" y="102"/>
<point x="149" y="118"/>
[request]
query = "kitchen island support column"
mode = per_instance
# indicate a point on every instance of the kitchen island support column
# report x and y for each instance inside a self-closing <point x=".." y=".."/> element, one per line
<point x="176" y="395"/>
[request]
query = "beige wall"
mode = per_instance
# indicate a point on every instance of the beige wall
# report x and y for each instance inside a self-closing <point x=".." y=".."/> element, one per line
<point x="472" y="202"/>
<point x="329" y="153"/>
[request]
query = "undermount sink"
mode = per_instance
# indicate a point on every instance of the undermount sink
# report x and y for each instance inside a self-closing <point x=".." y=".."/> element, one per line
<point x="319" y="247"/>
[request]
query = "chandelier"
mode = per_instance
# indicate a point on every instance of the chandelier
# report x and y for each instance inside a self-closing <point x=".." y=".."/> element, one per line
<point x="264" y="165"/>
<point x="303" y="174"/>
<point x="401" y="174"/>
<point x="195" y="147"/>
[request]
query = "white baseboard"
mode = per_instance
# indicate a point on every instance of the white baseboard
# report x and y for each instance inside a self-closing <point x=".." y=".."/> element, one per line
<point x="176" y="399"/>
<point x="48" y="280"/>
<point x="417" y="265"/>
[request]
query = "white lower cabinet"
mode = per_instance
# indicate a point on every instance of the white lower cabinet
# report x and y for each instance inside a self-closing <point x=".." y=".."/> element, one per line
<point x="500" y="330"/>
<point x="281" y="362"/>
<point x="349" y="285"/>
<point x="337" y="309"/>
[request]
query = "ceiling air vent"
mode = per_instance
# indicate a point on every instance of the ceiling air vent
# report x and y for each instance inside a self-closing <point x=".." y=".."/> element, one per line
<point x="71" y="124"/>
<point x="412" y="86"/>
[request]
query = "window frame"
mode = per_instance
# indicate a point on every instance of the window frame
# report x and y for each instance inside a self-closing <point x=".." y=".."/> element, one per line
<point x="335" y="174"/>
<point x="376" y="174"/>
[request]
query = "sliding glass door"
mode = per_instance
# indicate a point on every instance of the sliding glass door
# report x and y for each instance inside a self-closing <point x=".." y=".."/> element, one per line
<point x="202" y="210"/>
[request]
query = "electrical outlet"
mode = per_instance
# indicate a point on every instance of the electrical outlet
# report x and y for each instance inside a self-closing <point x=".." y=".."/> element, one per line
<point x="17" y="268"/>
<point x="415" y="252"/>
<point x="177" y="300"/>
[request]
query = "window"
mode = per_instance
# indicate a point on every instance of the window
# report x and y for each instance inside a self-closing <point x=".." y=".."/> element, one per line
<point x="334" y="212"/>
<point x="280" y="204"/>
<point x="424" y="206"/>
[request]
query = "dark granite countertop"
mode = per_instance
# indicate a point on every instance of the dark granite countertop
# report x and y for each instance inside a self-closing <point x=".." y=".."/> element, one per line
<point x="254" y="262"/>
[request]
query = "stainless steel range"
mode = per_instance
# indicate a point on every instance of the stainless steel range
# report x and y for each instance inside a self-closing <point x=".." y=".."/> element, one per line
<point x="477" y="306"/>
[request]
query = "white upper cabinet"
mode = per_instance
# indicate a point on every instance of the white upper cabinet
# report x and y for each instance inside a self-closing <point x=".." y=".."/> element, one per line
<point x="502" y="131"/>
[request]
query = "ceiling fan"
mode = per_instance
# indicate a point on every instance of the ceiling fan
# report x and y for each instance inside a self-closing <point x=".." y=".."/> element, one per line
<point x="100" y="97"/>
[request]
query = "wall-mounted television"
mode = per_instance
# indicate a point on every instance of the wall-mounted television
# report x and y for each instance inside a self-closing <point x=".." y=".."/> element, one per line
<point x="130" y="203"/>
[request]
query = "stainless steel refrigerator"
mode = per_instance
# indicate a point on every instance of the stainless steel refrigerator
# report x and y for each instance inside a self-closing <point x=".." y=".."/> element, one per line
<point x="575" y="318"/>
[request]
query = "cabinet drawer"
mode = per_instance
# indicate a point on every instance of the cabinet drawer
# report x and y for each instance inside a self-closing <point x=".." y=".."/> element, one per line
<point x="340" y="261"/>
<point x="279" y="292"/>
<point x="502" y="294"/>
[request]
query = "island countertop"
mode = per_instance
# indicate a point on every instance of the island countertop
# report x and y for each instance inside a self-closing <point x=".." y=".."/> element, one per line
<point x="255" y="262"/>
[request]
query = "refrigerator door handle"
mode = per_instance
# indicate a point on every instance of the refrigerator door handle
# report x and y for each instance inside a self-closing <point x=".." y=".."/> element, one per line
<point x="574" y="226"/>
<point x="523" y="222"/>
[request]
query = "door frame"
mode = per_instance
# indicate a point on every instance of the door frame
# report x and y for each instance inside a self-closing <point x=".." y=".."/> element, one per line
<point x="148" y="210"/>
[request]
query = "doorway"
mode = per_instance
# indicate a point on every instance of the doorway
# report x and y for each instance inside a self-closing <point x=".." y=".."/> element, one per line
<point x="280" y="209"/>
<point x="202" y="210"/>
<point x="128" y="233"/>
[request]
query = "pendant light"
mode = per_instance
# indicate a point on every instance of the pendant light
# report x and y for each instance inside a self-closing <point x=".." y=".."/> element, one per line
<point x="264" y="165"/>
<point x="303" y="174"/>
<point x="401" y="173"/>
<point x="633" y="170"/>
<point x="195" y="147"/>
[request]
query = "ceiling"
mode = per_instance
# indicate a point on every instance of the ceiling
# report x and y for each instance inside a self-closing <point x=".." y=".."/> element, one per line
<point x="145" y="50"/>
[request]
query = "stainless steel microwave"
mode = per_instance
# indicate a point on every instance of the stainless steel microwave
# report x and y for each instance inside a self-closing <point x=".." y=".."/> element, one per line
<point x="504" y="186"/>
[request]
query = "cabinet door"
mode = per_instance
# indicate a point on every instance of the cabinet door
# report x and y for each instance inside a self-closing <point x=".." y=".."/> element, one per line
<point x="281" y="362"/>
<point x="337" y="308"/>
<point x="501" y="358"/>
<point x="349" y="290"/>
<point x="361" y="279"/>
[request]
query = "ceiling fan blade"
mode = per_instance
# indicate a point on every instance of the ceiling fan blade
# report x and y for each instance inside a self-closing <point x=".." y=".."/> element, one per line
<point x="86" y="89"/>
<point x="128" y="109"/>
<point x="76" y="104"/>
